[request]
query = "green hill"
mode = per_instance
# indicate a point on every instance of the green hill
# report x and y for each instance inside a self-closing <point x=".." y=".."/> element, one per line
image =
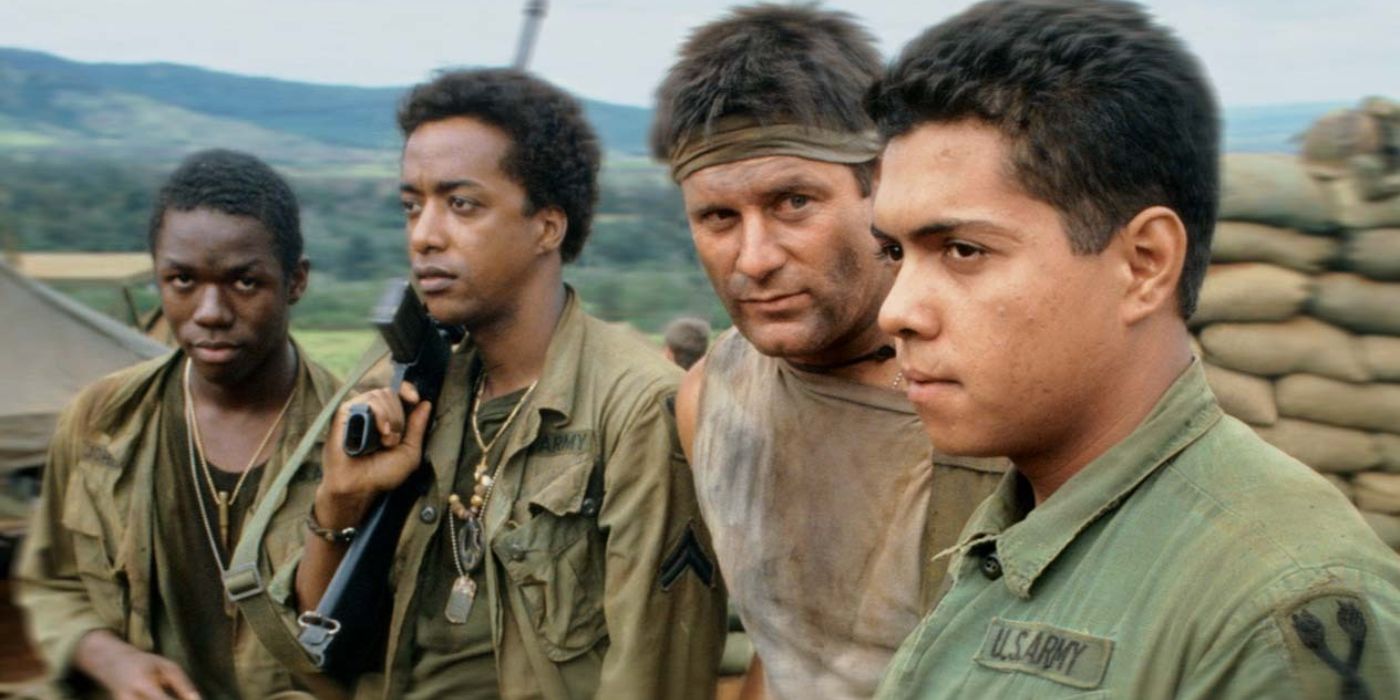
<point x="159" y="111"/>
<point x="84" y="145"/>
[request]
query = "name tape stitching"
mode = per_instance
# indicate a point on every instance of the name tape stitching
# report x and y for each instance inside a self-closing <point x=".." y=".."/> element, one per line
<point x="1071" y="658"/>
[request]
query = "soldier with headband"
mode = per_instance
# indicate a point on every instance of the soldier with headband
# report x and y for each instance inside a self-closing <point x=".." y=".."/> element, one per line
<point x="810" y="466"/>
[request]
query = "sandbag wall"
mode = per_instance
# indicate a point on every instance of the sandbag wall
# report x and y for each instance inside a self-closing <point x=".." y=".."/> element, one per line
<point x="1299" y="324"/>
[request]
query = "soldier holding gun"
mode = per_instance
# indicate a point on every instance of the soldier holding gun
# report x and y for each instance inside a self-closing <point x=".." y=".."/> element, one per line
<point x="557" y="549"/>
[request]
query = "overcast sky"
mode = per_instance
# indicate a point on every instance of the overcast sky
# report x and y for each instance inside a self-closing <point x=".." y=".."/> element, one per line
<point x="1257" y="51"/>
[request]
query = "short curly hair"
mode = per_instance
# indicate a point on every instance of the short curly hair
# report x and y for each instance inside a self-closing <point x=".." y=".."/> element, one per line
<point x="1107" y="112"/>
<point x="778" y="64"/>
<point x="553" y="153"/>
<point x="236" y="184"/>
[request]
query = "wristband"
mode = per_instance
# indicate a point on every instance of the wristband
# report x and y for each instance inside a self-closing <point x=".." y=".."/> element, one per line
<point x="341" y="536"/>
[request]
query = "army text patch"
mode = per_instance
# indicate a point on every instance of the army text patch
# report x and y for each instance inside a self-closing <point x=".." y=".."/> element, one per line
<point x="1071" y="658"/>
<point x="564" y="441"/>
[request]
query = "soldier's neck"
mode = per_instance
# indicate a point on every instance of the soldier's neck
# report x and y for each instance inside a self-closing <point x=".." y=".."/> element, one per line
<point x="860" y="357"/>
<point x="513" y="351"/>
<point x="1138" y="381"/>
<point x="264" y="388"/>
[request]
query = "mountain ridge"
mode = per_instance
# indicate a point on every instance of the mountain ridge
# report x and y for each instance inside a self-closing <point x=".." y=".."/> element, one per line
<point x="45" y="95"/>
<point x="156" y="112"/>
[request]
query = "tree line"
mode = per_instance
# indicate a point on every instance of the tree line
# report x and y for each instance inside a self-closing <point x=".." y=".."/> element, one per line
<point x="638" y="265"/>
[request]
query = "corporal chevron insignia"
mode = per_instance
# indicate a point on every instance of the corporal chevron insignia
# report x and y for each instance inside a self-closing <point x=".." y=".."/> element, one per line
<point x="687" y="554"/>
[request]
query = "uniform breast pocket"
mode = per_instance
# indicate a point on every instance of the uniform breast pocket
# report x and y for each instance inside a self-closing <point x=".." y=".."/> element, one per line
<point x="556" y="560"/>
<point x="92" y="556"/>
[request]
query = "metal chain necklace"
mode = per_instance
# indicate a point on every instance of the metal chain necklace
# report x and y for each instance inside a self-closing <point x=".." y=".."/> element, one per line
<point x="468" y="549"/>
<point x="222" y="499"/>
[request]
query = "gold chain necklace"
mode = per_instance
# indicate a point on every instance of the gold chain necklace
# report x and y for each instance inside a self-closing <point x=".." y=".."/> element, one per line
<point x="222" y="499"/>
<point x="467" y="548"/>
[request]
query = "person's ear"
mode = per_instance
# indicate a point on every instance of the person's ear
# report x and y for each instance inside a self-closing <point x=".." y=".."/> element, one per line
<point x="1153" y="248"/>
<point x="551" y="227"/>
<point x="296" y="285"/>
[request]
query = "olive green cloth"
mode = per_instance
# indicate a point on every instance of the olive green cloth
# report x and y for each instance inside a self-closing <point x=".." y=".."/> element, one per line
<point x="1191" y="560"/>
<point x="572" y="583"/>
<point x="449" y="659"/>
<point x="89" y="559"/>
<point x="189" y="609"/>
<point x="825" y="509"/>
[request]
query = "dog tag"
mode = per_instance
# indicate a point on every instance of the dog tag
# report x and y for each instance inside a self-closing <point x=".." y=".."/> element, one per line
<point x="459" y="601"/>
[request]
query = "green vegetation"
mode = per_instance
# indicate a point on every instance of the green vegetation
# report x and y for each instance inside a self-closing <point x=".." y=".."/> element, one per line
<point x="337" y="351"/>
<point x="287" y="122"/>
<point x="83" y="147"/>
<point x="639" y="265"/>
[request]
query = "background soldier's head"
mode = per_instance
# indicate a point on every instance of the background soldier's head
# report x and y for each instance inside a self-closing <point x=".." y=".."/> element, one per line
<point x="500" y="175"/>
<point x="686" y="340"/>
<point x="225" y="235"/>
<point x="761" y="123"/>
<point x="1050" y="183"/>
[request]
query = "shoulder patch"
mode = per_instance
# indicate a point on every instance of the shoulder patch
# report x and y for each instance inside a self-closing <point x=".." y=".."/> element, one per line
<point x="1071" y="658"/>
<point x="1326" y="638"/>
<point x="687" y="554"/>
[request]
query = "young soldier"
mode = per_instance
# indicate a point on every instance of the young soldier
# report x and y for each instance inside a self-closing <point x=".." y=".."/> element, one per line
<point x="152" y="470"/>
<point x="1048" y="192"/>
<point x="558" y="551"/>
<point x="810" y="467"/>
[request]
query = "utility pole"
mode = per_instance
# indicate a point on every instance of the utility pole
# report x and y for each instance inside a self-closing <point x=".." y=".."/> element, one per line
<point x="534" y="16"/>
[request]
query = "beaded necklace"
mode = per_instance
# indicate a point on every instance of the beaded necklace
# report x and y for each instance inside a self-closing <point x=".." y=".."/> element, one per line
<point x="467" y="545"/>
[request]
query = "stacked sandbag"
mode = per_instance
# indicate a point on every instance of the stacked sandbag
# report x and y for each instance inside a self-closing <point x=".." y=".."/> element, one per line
<point x="1299" y="323"/>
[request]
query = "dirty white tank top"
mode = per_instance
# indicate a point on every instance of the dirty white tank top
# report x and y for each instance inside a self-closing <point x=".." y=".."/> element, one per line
<point x="816" y="492"/>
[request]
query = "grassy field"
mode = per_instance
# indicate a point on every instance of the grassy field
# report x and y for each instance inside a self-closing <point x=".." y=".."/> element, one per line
<point x="334" y="350"/>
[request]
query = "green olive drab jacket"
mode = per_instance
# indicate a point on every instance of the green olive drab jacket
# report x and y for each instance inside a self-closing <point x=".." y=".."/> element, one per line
<point x="88" y="559"/>
<point x="1191" y="560"/>
<point x="599" y="573"/>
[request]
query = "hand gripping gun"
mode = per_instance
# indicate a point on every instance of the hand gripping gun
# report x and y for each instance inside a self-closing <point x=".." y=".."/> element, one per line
<point x="345" y="634"/>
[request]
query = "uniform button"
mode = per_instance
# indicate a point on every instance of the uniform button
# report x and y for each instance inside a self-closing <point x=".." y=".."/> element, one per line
<point x="428" y="514"/>
<point x="991" y="567"/>
<point x="517" y="552"/>
<point x="589" y="507"/>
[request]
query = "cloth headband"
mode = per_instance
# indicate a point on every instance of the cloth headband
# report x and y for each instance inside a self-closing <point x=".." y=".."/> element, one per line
<point x="755" y="141"/>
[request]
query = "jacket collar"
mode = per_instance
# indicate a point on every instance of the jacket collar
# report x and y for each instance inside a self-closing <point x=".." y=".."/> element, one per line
<point x="554" y="393"/>
<point x="1029" y="540"/>
<point x="126" y="431"/>
<point x="133" y="405"/>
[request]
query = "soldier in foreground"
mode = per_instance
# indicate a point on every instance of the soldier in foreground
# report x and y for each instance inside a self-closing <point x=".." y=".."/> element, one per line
<point x="152" y="470"/>
<point x="558" y="551"/>
<point x="1050" y="214"/>
<point x="810" y="466"/>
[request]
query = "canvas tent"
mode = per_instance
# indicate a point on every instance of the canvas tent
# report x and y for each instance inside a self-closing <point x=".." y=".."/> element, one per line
<point x="51" y="347"/>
